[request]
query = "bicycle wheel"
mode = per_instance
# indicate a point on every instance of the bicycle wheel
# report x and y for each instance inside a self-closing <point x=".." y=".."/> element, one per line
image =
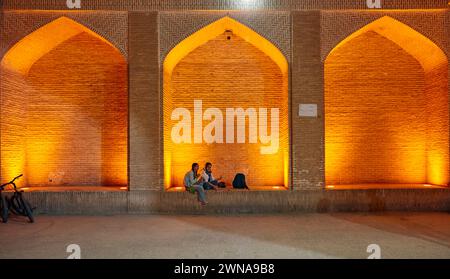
<point x="20" y="206"/>
<point x="27" y="209"/>
<point x="4" y="208"/>
<point x="14" y="205"/>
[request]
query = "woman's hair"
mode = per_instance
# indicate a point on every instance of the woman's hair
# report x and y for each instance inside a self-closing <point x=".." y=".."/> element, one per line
<point x="193" y="166"/>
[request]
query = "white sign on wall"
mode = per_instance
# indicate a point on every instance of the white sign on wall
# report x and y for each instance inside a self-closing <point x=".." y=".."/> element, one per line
<point x="373" y="4"/>
<point x="307" y="110"/>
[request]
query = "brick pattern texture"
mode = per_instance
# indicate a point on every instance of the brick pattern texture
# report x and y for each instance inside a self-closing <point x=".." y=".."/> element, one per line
<point x="273" y="26"/>
<point x="375" y="107"/>
<point x="307" y="88"/>
<point x="215" y="73"/>
<point x="158" y="5"/>
<point x="144" y="38"/>
<point x="73" y="116"/>
<point x="12" y="133"/>
<point x="337" y="25"/>
<point x="113" y="26"/>
<point x="144" y="103"/>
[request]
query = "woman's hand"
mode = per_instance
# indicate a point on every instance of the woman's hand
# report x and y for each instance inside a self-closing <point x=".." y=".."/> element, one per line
<point x="199" y="177"/>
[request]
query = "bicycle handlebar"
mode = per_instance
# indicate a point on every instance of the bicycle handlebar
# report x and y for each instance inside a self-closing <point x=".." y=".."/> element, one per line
<point x="11" y="182"/>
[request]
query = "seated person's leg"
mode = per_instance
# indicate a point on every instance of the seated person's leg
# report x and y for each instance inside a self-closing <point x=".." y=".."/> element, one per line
<point x="200" y="193"/>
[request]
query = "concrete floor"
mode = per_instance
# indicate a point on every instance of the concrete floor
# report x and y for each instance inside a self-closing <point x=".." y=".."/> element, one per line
<point x="340" y="235"/>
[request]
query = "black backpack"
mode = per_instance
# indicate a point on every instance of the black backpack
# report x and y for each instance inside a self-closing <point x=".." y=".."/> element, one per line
<point x="239" y="181"/>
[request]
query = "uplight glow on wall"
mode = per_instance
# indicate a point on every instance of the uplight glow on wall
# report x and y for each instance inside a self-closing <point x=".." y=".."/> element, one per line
<point x="64" y="89"/>
<point x="386" y="108"/>
<point x="218" y="73"/>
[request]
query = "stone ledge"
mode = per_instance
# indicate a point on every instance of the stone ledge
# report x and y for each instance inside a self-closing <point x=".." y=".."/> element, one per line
<point x="155" y="202"/>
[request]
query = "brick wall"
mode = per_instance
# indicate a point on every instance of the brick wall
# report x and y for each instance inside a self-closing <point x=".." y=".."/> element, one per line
<point x="144" y="97"/>
<point x="314" y="34"/>
<point x="336" y="26"/>
<point x="13" y="106"/>
<point x="74" y="116"/>
<point x="374" y="111"/>
<point x="275" y="26"/>
<point x="437" y="110"/>
<point x="16" y="24"/>
<point x="307" y="88"/>
<point x="216" y="74"/>
<point x="77" y="115"/>
<point x="157" y="5"/>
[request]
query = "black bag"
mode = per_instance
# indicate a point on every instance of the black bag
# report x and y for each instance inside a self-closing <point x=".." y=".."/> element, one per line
<point x="221" y="185"/>
<point x="239" y="181"/>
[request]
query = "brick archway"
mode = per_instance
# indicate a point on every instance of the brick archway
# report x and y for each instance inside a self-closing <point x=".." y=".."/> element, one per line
<point x="227" y="65"/>
<point x="386" y="108"/>
<point x="65" y="90"/>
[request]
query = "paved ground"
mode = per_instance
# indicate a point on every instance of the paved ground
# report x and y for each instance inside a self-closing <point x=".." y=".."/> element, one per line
<point x="343" y="235"/>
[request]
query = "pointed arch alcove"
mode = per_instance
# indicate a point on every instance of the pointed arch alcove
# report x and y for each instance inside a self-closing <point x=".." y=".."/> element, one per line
<point x="386" y="108"/>
<point x="65" y="91"/>
<point x="226" y="65"/>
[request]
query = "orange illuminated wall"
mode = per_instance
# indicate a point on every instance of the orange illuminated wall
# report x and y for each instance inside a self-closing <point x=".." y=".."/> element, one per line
<point x="64" y="89"/>
<point x="226" y="65"/>
<point x="386" y="108"/>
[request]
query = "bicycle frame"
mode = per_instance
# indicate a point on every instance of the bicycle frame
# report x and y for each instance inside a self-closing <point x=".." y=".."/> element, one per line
<point x="2" y="187"/>
<point x="17" y="204"/>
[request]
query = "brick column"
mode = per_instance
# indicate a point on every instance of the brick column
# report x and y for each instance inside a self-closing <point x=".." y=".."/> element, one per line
<point x="144" y="103"/>
<point x="307" y="88"/>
